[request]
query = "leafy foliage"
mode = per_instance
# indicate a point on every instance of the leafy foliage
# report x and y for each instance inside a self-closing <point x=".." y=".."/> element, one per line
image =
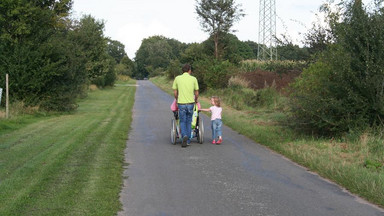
<point x="273" y="66"/>
<point x="232" y="49"/>
<point x="218" y="17"/>
<point x="90" y="36"/>
<point x="174" y="69"/>
<point x="344" y="89"/>
<point x="194" y="52"/>
<point x="116" y="50"/>
<point x="213" y="73"/>
<point x="50" y="58"/>
<point x="125" y="67"/>
<point x="293" y="52"/>
<point x="156" y="52"/>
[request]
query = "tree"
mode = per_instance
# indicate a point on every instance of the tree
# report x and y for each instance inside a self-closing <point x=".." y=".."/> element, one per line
<point x="177" y="47"/>
<point x="88" y="33"/>
<point x="321" y="35"/>
<point x="232" y="49"/>
<point x="116" y="49"/>
<point x="343" y="90"/>
<point x="236" y="50"/>
<point x="254" y="47"/>
<point x="218" y="17"/>
<point x="125" y="67"/>
<point x="155" y="54"/>
<point x="293" y="52"/>
<point x="46" y="66"/>
<point x="193" y="53"/>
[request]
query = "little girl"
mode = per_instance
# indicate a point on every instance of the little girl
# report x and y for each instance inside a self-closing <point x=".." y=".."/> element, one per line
<point x="216" y="122"/>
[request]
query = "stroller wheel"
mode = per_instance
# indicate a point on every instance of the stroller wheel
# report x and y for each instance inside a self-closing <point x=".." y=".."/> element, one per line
<point x="173" y="132"/>
<point x="201" y="130"/>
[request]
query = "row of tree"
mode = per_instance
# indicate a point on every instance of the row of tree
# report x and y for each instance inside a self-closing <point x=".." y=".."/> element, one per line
<point x="215" y="57"/>
<point x="343" y="88"/>
<point x="158" y="53"/>
<point x="51" y="58"/>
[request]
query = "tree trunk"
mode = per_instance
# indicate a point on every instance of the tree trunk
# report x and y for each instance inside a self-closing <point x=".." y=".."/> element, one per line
<point x="216" y="39"/>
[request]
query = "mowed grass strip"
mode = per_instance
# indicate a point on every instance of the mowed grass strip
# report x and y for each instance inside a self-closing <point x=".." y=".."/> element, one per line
<point x="70" y="164"/>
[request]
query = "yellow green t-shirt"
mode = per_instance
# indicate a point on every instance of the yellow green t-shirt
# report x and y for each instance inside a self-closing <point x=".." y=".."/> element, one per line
<point x="186" y="85"/>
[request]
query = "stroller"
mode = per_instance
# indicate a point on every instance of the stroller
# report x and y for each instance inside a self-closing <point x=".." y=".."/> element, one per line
<point x="197" y="124"/>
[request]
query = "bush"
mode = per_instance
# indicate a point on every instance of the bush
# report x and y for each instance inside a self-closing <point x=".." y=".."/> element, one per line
<point x="239" y="82"/>
<point x="273" y="66"/>
<point x="242" y="98"/>
<point x="343" y="91"/>
<point x="212" y="73"/>
<point x="311" y="104"/>
<point x="174" y="69"/>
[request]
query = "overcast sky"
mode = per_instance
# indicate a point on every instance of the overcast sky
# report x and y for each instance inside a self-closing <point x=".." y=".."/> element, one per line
<point x="130" y="21"/>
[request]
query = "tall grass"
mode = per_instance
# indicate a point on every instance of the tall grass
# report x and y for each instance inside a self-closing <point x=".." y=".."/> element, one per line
<point x="239" y="96"/>
<point x="273" y="66"/>
<point x="69" y="164"/>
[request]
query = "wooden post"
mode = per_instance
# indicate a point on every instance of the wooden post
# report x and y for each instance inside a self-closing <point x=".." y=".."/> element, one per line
<point x="6" y="97"/>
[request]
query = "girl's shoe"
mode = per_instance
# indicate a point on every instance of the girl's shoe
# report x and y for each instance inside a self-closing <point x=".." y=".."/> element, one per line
<point x="213" y="142"/>
<point x="219" y="141"/>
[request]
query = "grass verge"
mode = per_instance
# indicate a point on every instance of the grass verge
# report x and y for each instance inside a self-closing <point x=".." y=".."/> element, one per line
<point x="69" y="164"/>
<point x="355" y="162"/>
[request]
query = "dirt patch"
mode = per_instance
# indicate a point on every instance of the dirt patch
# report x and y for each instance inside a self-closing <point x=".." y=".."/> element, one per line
<point x="260" y="79"/>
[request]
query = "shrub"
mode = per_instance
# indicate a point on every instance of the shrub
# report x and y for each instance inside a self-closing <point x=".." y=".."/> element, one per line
<point x="238" y="81"/>
<point x="212" y="73"/>
<point x="273" y="66"/>
<point x="343" y="91"/>
<point x="174" y="69"/>
<point x="242" y="98"/>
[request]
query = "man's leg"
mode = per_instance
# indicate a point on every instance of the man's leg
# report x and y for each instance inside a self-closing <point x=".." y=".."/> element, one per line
<point x="183" y="123"/>
<point x="189" y="121"/>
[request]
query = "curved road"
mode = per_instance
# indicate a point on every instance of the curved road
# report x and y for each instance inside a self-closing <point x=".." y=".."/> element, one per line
<point x="238" y="177"/>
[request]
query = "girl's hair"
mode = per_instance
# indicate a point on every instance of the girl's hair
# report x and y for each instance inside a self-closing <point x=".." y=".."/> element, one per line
<point x="216" y="100"/>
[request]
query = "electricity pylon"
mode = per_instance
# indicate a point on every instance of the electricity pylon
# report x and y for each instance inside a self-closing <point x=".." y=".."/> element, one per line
<point x="267" y="30"/>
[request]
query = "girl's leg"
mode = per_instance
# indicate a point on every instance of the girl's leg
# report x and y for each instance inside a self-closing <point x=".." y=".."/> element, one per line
<point x="213" y="127"/>
<point x="219" y="124"/>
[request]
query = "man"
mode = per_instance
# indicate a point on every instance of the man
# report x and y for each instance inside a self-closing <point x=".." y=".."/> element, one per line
<point x="186" y="91"/>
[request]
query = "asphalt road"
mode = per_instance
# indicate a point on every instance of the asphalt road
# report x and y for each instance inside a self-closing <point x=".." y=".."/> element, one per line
<point x="239" y="177"/>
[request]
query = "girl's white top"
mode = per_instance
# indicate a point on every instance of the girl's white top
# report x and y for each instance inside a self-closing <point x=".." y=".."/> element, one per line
<point x="216" y="112"/>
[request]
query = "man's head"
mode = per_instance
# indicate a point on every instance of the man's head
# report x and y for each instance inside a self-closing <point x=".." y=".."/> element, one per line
<point x="186" y="68"/>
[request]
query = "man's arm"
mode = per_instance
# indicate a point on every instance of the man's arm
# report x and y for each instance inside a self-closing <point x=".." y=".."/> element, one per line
<point x="196" y="85"/>
<point x="175" y="93"/>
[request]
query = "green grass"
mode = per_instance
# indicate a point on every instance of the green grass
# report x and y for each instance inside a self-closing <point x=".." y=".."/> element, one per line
<point x="355" y="161"/>
<point x="69" y="164"/>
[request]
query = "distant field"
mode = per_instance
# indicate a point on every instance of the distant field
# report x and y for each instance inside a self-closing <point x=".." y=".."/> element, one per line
<point x="68" y="164"/>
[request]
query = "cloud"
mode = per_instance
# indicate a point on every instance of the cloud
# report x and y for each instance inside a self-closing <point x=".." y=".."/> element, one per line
<point x="132" y="34"/>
